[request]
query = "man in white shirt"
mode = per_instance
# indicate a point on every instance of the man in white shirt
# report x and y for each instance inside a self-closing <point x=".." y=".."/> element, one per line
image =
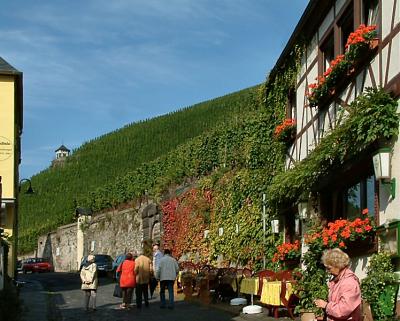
<point x="167" y="272"/>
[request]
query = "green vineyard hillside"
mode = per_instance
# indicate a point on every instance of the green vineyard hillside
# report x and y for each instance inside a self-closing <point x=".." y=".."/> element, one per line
<point x="104" y="160"/>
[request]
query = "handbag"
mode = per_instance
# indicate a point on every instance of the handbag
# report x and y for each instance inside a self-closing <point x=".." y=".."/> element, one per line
<point x="117" y="291"/>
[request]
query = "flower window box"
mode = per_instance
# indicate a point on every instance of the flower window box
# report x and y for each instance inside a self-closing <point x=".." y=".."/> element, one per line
<point x="286" y="131"/>
<point x="360" y="247"/>
<point x="360" y="47"/>
<point x="288" y="254"/>
<point x="355" y="237"/>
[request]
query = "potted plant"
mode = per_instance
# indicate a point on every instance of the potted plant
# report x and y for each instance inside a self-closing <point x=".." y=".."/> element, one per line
<point x="379" y="288"/>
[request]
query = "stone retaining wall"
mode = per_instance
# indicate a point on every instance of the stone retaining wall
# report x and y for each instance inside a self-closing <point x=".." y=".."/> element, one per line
<point x="111" y="233"/>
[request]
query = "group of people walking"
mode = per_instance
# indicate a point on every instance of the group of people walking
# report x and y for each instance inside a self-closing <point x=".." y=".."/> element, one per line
<point x="135" y="273"/>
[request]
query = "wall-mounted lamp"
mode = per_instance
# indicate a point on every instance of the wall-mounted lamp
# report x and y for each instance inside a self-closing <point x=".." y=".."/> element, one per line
<point x="302" y="207"/>
<point x="382" y="162"/>
<point x="297" y="225"/>
<point x="29" y="191"/>
<point x="275" y="226"/>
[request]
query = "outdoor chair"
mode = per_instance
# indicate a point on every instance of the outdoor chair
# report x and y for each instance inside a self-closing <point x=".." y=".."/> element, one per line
<point x="288" y="303"/>
<point x="265" y="274"/>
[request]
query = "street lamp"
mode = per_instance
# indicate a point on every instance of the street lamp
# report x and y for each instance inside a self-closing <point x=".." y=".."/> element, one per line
<point x="382" y="163"/>
<point x="302" y="207"/>
<point x="29" y="191"/>
<point x="275" y="226"/>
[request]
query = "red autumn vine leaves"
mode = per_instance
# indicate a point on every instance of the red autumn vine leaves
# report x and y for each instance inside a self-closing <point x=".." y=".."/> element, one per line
<point x="184" y="221"/>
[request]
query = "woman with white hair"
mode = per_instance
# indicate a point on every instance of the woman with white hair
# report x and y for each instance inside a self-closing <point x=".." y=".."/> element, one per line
<point x="344" y="299"/>
<point x="89" y="281"/>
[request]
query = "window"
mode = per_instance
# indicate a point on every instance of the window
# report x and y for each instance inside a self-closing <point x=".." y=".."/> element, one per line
<point x="292" y="226"/>
<point x="328" y="52"/>
<point x="370" y="12"/>
<point x="358" y="197"/>
<point x="346" y="26"/>
<point x="291" y="106"/>
<point x="350" y="192"/>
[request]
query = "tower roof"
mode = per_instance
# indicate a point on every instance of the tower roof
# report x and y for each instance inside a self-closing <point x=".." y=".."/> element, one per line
<point x="63" y="149"/>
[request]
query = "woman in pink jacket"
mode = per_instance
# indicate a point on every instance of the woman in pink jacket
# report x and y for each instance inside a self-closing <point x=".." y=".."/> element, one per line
<point x="127" y="280"/>
<point x="344" y="299"/>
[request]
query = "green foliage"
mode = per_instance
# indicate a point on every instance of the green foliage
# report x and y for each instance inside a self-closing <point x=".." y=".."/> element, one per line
<point x="311" y="282"/>
<point x="237" y="201"/>
<point x="96" y="173"/>
<point x="379" y="288"/>
<point x="372" y="116"/>
<point x="280" y="83"/>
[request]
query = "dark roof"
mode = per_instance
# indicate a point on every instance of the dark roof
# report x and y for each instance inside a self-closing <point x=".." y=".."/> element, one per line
<point x="6" y="68"/>
<point x="62" y="148"/>
<point x="83" y="211"/>
<point x="312" y="17"/>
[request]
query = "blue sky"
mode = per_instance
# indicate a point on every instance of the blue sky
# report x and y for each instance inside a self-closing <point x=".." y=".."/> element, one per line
<point x="93" y="66"/>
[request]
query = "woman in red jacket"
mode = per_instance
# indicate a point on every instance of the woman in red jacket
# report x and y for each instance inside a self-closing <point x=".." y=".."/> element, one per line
<point x="127" y="280"/>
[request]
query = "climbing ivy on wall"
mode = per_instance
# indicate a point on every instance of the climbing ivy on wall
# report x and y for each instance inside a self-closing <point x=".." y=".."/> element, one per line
<point x="237" y="213"/>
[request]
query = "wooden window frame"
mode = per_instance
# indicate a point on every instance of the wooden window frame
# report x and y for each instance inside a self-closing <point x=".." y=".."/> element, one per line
<point x="333" y="197"/>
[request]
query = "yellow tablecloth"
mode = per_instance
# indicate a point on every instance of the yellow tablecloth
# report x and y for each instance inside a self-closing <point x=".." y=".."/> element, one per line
<point x="271" y="291"/>
<point x="249" y="286"/>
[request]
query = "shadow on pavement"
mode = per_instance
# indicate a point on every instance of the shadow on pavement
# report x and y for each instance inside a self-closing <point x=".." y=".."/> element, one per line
<point x="182" y="312"/>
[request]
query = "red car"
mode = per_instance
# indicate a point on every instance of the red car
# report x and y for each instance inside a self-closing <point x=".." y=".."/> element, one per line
<point x="37" y="265"/>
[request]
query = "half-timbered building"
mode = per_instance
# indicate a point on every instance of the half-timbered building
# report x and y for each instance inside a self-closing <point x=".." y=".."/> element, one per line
<point x="326" y="26"/>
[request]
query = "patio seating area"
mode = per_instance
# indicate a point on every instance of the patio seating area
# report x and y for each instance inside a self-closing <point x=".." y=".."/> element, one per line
<point x="272" y="290"/>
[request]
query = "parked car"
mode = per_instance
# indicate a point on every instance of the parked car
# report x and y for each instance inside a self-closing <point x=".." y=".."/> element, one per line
<point x="37" y="264"/>
<point x="118" y="260"/>
<point x="104" y="263"/>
